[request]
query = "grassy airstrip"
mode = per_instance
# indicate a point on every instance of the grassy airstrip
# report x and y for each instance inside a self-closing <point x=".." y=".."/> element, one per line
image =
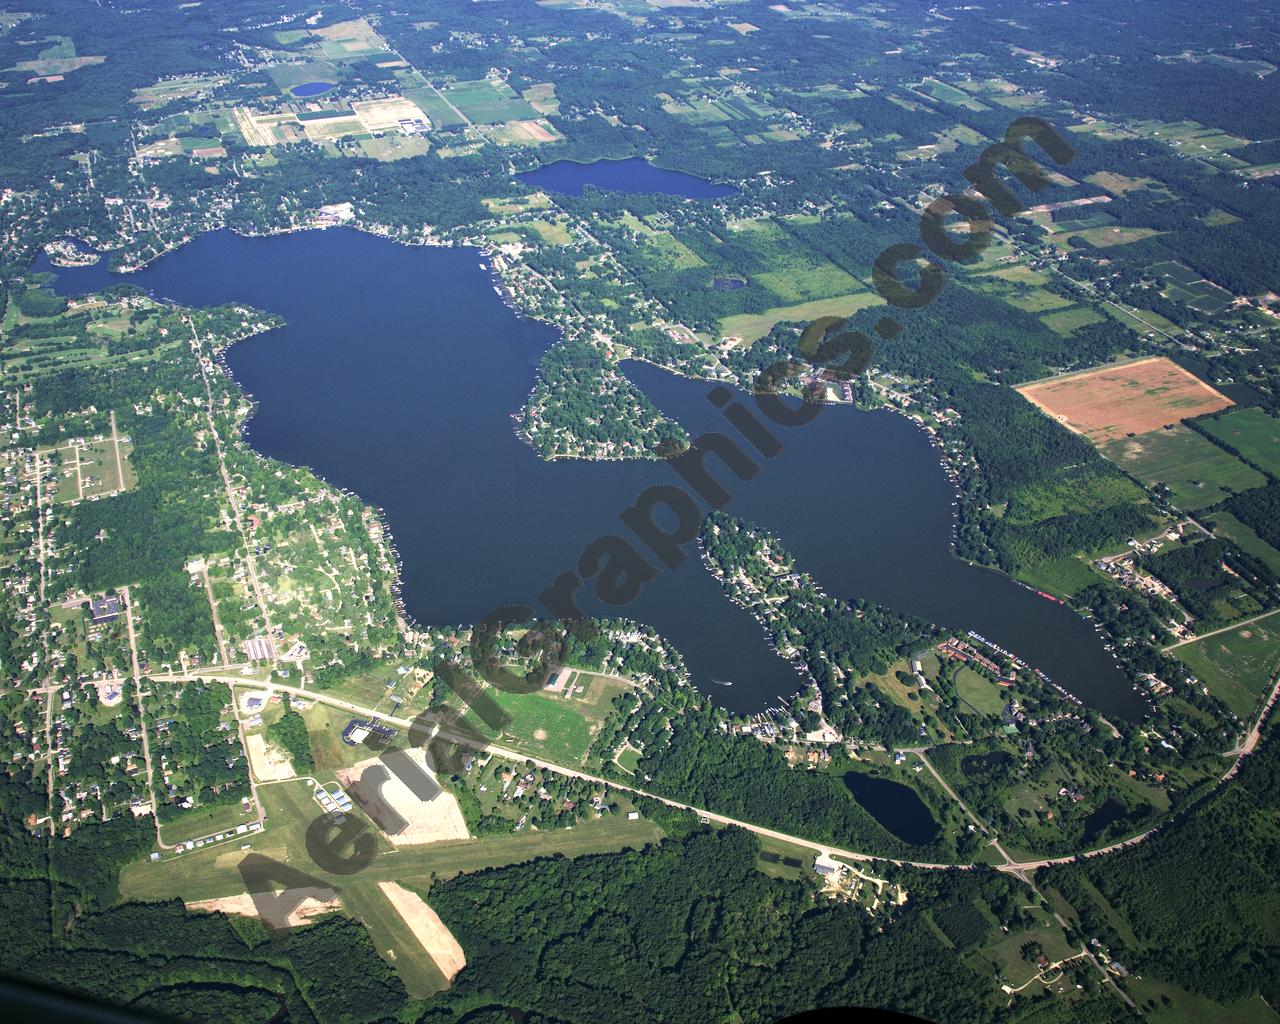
<point x="212" y="872"/>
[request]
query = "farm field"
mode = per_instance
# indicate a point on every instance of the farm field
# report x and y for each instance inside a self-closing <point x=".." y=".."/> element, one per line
<point x="489" y="102"/>
<point x="1237" y="665"/>
<point x="1251" y="432"/>
<point x="749" y="327"/>
<point x="1226" y="525"/>
<point x="1197" y="472"/>
<point x="1109" y="402"/>
<point x="1068" y="321"/>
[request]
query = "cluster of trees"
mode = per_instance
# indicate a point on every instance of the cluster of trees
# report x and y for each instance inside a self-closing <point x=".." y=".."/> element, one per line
<point x="1260" y="510"/>
<point x="209" y="758"/>
<point x="290" y="734"/>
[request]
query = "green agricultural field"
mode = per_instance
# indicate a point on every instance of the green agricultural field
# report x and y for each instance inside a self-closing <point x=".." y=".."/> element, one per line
<point x="1251" y="432"/>
<point x="288" y="76"/>
<point x="803" y="283"/>
<point x="1068" y="321"/>
<point x="434" y="106"/>
<point x="489" y="102"/>
<point x="1237" y="665"/>
<point x="1038" y="300"/>
<point x="753" y="326"/>
<point x="1197" y="472"/>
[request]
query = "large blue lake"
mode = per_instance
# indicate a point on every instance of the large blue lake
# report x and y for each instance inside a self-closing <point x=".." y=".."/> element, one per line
<point x="634" y="175"/>
<point x="396" y="377"/>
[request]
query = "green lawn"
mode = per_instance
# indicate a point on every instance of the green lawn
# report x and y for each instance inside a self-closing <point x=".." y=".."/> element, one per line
<point x="1174" y="1005"/>
<point x="979" y="692"/>
<point x="546" y="725"/>
<point x="1252" y="433"/>
<point x="1197" y="472"/>
<point x="1237" y="665"/>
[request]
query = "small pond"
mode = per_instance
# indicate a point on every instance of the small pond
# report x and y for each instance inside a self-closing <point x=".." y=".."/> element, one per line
<point x="896" y="806"/>
<point x="311" y="89"/>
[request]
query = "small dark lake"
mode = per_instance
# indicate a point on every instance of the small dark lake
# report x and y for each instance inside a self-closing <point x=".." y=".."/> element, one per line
<point x="396" y="376"/>
<point x="896" y="806"/>
<point x="728" y="284"/>
<point x="1105" y="815"/>
<point x="634" y="175"/>
<point x="311" y="89"/>
<point x="974" y="763"/>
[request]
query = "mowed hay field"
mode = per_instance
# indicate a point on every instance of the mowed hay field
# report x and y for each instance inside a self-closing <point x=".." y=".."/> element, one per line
<point x="1197" y="472"/>
<point x="1252" y="433"/>
<point x="1111" y="402"/>
<point x="1237" y="665"/>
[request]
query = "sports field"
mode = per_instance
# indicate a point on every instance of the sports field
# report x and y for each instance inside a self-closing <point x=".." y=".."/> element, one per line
<point x="1111" y="402"/>
<point x="1237" y="665"/>
<point x="1252" y="433"/>
<point x="1197" y="472"/>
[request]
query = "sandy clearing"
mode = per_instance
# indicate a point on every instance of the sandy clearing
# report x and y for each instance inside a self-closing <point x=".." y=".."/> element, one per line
<point x="315" y="903"/>
<point x="429" y="821"/>
<point x="384" y="114"/>
<point x="427" y="928"/>
<point x="268" y="764"/>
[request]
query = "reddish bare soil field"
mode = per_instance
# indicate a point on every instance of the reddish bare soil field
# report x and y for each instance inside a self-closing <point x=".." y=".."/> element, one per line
<point x="1117" y="401"/>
